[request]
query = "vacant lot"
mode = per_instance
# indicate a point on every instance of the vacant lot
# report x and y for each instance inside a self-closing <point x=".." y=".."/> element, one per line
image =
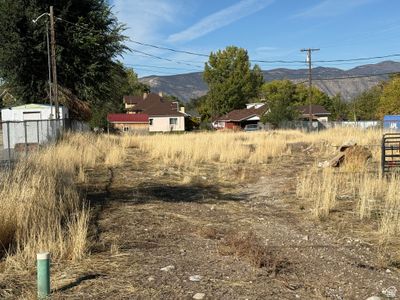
<point x="230" y="216"/>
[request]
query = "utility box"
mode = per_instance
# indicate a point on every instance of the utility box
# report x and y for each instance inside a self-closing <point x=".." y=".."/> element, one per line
<point x="31" y="124"/>
<point x="391" y="123"/>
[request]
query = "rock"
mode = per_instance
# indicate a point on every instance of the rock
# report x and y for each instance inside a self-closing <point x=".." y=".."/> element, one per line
<point x="388" y="271"/>
<point x="195" y="278"/>
<point x="168" y="268"/>
<point x="199" y="296"/>
<point x="151" y="278"/>
<point x="306" y="238"/>
<point x="374" y="298"/>
<point x="390" y="292"/>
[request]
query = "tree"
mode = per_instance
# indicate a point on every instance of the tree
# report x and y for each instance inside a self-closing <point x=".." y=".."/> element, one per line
<point x="88" y="37"/>
<point x="231" y="81"/>
<point x="280" y="97"/>
<point x="318" y="97"/>
<point x="125" y="82"/>
<point x="338" y="108"/>
<point x="278" y="90"/>
<point x="389" y="102"/>
<point x="365" y="105"/>
<point x="280" y="111"/>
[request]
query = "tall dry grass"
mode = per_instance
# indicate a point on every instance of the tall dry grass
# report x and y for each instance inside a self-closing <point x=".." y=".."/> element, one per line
<point x="41" y="208"/>
<point x="372" y="196"/>
<point x="208" y="147"/>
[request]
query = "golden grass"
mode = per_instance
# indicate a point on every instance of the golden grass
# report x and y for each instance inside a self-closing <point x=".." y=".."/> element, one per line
<point x="196" y="148"/>
<point x="41" y="208"/>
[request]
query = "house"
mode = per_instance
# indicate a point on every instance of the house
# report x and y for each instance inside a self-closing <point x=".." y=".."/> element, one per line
<point x="237" y="119"/>
<point x="31" y="124"/>
<point x="129" y="122"/>
<point x="163" y="115"/>
<point x="318" y="112"/>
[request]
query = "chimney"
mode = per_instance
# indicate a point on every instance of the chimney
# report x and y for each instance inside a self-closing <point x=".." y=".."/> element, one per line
<point x="145" y="96"/>
<point x="160" y="94"/>
<point x="182" y="109"/>
<point x="177" y="106"/>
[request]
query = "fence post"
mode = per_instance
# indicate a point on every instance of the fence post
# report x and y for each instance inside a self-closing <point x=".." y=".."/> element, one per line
<point x="8" y="142"/>
<point x="43" y="275"/>
<point x="26" y="139"/>
<point x="38" y="136"/>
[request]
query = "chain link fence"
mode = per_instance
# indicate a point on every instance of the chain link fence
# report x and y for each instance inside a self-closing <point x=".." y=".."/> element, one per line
<point x="19" y="138"/>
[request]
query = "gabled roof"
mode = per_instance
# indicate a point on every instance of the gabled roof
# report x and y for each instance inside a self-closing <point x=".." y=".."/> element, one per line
<point x="315" y="110"/>
<point x="153" y="105"/>
<point x="238" y="115"/>
<point x="128" y="118"/>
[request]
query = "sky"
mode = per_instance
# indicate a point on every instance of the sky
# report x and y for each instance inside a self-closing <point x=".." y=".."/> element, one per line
<point x="268" y="29"/>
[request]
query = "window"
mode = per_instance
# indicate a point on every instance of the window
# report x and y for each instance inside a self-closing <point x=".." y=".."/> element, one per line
<point x="173" y="121"/>
<point x="150" y="122"/>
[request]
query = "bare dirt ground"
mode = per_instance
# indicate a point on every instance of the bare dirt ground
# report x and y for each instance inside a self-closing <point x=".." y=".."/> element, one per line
<point x="245" y="241"/>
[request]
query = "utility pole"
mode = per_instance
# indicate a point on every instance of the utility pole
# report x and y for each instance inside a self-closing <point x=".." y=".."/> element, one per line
<point x="53" y="62"/>
<point x="49" y="66"/>
<point x="309" y="52"/>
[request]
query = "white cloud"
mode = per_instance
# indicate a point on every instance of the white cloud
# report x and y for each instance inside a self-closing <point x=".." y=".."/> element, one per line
<point x="329" y="8"/>
<point x="220" y="19"/>
<point x="146" y="18"/>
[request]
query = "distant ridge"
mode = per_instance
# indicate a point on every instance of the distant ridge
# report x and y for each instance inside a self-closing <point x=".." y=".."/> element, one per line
<point x="191" y="85"/>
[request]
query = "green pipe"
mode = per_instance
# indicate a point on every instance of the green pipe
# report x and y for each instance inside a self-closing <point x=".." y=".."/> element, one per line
<point x="43" y="275"/>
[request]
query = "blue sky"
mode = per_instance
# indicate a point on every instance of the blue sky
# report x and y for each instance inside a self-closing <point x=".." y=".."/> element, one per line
<point x="268" y="29"/>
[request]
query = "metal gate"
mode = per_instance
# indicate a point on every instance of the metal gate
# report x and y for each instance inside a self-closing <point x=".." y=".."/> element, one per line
<point x="391" y="152"/>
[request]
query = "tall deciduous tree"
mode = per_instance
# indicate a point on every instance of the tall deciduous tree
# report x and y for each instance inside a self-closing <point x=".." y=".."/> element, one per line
<point x="389" y="102"/>
<point x="88" y="37"/>
<point x="231" y="80"/>
<point x="365" y="105"/>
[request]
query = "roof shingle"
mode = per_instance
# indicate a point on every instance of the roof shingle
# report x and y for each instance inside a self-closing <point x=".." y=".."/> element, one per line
<point x="153" y="105"/>
<point x="238" y="115"/>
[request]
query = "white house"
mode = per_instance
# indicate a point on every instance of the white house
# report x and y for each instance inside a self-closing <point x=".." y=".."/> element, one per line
<point x="31" y="124"/>
<point x="164" y="115"/>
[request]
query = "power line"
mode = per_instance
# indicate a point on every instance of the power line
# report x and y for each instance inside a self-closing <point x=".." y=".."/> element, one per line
<point x="168" y="49"/>
<point x="252" y="60"/>
<point x="166" y="59"/>
<point x="160" y="67"/>
<point x="268" y="61"/>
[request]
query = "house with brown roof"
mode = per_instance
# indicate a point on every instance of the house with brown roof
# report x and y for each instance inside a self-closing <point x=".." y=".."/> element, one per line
<point x="237" y="119"/>
<point x="318" y="112"/>
<point x="163" y="115"/>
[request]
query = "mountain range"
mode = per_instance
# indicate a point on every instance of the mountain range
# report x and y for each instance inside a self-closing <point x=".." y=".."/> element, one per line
<point x="349" y="83"/>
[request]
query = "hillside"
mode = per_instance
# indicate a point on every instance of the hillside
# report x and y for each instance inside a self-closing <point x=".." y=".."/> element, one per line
<point x="191" y="85"/>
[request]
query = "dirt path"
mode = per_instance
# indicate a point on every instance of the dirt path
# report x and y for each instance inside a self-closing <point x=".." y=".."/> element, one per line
<point x="150" y="221"/>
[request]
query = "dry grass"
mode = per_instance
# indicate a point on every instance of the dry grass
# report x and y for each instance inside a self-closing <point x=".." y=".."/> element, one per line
<point x="249" y="247"/>
<point x="196" y="148"/>
<point x="41" y="208"/>
<point x="370" y="196"/>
